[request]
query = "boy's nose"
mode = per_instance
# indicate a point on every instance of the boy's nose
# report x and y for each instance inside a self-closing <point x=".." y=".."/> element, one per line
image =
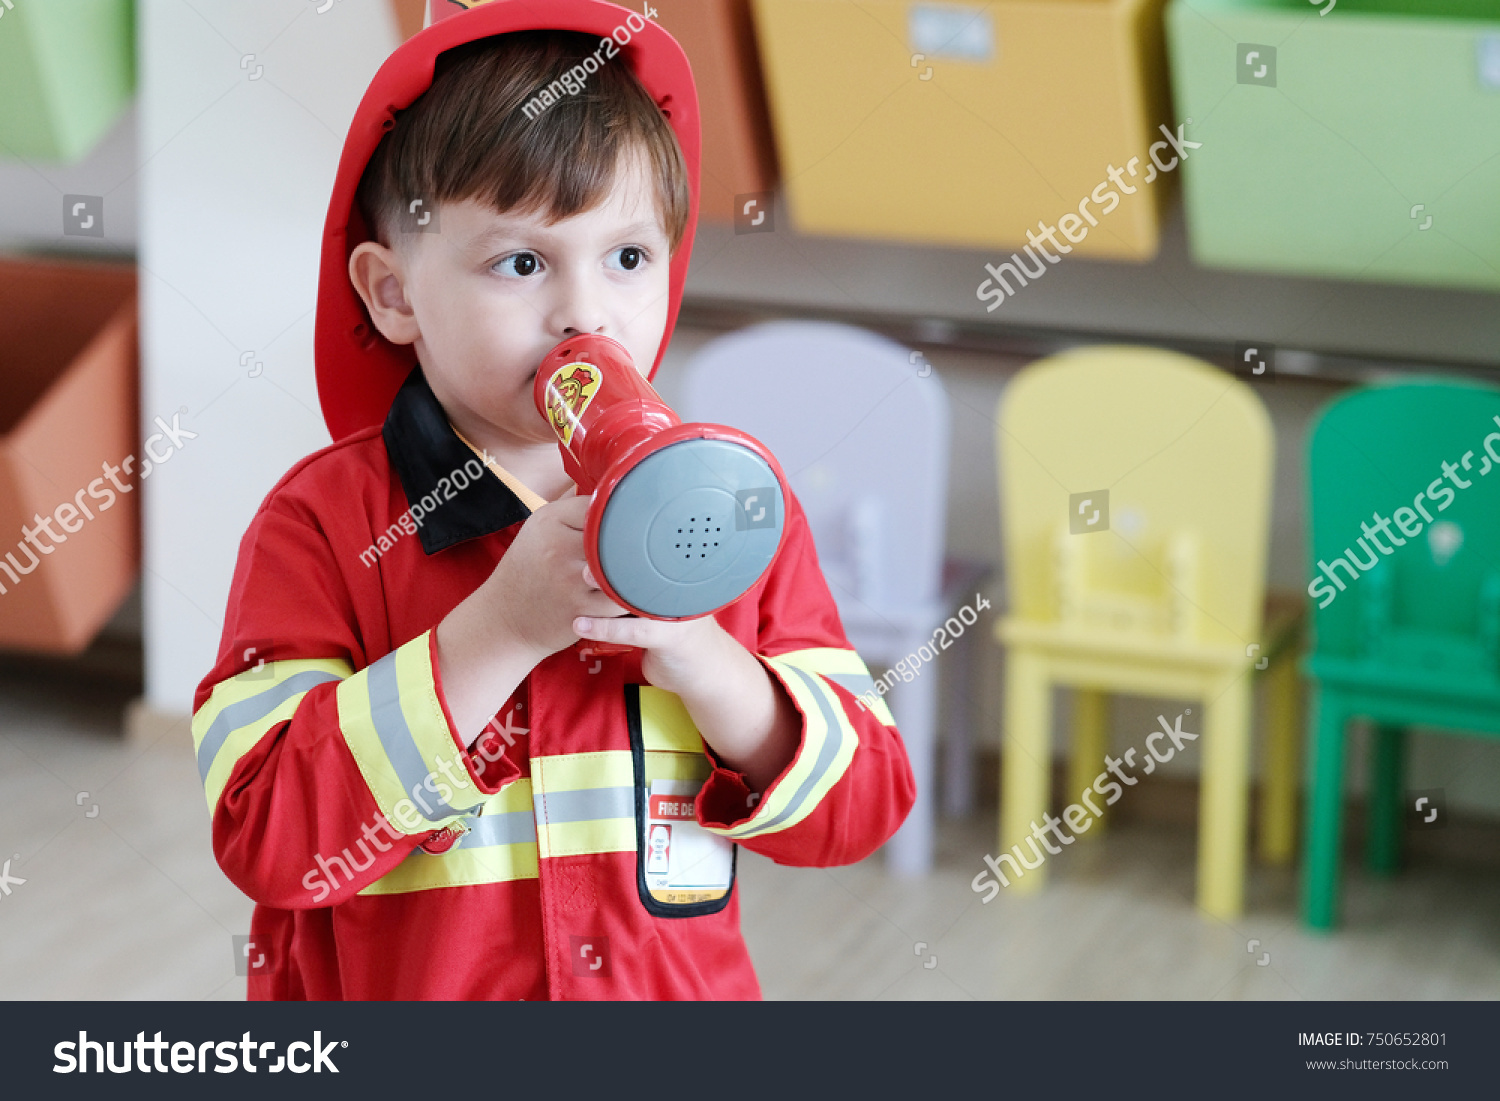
<point x="579" y="310"/>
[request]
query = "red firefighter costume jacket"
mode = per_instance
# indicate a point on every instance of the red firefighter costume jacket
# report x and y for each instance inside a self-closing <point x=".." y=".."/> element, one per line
<point x="385" y="859"/>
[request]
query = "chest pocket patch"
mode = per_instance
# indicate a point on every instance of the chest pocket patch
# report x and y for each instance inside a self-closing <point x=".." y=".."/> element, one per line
<point x="682" y="870"/>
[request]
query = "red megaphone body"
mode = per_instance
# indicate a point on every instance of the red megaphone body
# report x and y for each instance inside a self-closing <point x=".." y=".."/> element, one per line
<point x="686" y="518"/>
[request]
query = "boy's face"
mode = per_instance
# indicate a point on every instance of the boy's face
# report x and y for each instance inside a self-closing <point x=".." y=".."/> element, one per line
<point x="487" y="297"/>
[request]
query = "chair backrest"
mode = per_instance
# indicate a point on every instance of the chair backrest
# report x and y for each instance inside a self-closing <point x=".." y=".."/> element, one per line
<point x="1183" y="450"/>
<point x="1422" y="457"/>
<point x="861" y="435"/>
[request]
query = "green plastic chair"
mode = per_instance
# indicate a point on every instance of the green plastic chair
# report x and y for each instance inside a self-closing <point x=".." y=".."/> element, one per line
<point x="1407" y="633"/>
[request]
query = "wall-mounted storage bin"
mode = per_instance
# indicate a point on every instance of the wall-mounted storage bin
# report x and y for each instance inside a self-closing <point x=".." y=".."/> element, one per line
<point x="718" y="37"/>
<point x="68" y="384"/>
<point x="67" y="69"/>
<point x="966" y="123"/>
<point x="1360" y="145"/>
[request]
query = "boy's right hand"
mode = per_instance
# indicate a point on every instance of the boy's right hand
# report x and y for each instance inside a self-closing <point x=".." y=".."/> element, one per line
<point x="541" y="585"/>
<point x="522" y="613"/>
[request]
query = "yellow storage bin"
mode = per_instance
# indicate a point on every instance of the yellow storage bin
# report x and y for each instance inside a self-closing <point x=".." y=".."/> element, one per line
<point x="968" y="123"/>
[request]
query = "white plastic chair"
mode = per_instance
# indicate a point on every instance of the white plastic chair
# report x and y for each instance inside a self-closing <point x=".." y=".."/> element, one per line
<point x="863" y="438"/>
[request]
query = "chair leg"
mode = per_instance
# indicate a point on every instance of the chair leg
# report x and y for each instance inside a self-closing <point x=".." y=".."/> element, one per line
<point x="1025" y="757"/>
<point x="958" y="751"/>
<point x="914" y="705"/>
<point x="1278" y="803"/>
<point x="1384" y="813"/>
<point x="1223" y="809"/>
<point x="1325" y="810"/>
<point x="1090" y="744"/>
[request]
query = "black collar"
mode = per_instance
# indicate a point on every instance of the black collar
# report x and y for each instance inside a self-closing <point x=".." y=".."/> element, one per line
<point x="426" y="452"/>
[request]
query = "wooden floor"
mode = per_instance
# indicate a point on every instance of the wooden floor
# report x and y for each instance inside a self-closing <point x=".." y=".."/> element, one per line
<point x="129" y="903"/>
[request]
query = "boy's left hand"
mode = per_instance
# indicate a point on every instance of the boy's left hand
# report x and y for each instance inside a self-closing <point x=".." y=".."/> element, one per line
<point x="740" y="709"/>
<point x="682" y="656"/>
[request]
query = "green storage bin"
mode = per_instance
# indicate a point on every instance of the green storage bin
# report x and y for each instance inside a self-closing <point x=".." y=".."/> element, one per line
<point x="1361" y="144"/>
<point x="67" y="69"/>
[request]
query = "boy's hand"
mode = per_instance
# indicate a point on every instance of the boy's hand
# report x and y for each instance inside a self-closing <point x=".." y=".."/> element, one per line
<point x="540" y="587"/>
<point x="523" y="612"/>
<point x="684" y="656"/>
<point x="740" y="709"/>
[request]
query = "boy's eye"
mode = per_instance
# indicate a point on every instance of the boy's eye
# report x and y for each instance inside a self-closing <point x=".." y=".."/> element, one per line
<point x="520" y="263"/>
<point x="631" y="257"/>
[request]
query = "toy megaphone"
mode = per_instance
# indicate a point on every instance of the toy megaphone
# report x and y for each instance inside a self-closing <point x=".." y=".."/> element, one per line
<point x="686" y="518"/>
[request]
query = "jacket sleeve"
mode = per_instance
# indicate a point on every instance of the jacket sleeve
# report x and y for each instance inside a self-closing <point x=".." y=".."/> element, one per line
<point x="323" y="769"/>
<point x="850" y="784"/>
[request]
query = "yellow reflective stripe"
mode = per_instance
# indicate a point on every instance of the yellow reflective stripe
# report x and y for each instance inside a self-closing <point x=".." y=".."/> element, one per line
<point x="666" y="724"/>
<point x="598" y="835"/>
<point x="828" y="745"/>
<point x="422" y="871"/>
<point x="393" y="725"/>
<point x="846" y="669"/>
<point x="584" y="803"/>
<point x="476" y="859"/>
<point x="605" y="768"/>
<point x="575" y="804"/>
<point x="676" y="766"/>
<point x="242" y="709"/>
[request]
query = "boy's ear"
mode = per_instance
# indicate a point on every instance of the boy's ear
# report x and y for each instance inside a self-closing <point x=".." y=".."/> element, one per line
<point x="379" y="278"/>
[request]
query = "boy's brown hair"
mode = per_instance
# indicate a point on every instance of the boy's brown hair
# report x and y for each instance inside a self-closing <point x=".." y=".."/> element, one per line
<point x="467" y="136"/>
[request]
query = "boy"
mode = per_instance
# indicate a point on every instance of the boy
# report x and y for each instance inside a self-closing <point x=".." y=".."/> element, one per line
<point x="428" y="789"/>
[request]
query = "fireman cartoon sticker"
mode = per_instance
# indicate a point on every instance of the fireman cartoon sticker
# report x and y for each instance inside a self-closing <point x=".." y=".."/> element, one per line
<point x="685" y="863"/>
<point x="569" y="391"/>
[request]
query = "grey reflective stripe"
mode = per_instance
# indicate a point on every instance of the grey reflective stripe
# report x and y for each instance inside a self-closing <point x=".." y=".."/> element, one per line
<point x="252" y="710"/>
<point x="820" y="767"/>
<point x="395" y="738"/>
<point x="499" y="829"/>
<point x="585" y="805"/>
<point x="857" y="684"/>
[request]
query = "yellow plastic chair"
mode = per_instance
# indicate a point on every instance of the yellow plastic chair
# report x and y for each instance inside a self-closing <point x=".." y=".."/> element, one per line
<point x="1135" y="486"/>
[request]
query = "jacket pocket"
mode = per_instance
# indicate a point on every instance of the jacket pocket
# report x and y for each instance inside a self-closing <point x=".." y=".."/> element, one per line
<point x="682" y="870"/>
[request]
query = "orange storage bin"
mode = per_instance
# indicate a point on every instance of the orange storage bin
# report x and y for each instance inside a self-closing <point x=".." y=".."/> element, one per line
<point x="718" y="36"/>
<point x="738" y="152"/>
<point x="68" y="386"/>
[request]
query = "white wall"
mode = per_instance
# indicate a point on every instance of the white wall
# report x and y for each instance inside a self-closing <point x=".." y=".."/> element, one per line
<point x="235" y="178"/>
